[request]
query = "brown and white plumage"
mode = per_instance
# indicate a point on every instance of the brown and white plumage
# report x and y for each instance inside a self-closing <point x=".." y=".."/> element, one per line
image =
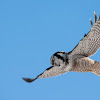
<point x="86" y="64"/>
<point x="77" y="60"/>
<point x="90" y="43"/>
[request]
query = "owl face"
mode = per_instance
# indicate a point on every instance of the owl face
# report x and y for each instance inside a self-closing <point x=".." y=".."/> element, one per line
<point x="59" y="58"/>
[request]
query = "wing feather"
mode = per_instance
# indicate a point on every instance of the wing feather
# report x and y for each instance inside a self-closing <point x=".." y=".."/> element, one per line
<point x="49" y="72"/>
<point x="90" y="43"/>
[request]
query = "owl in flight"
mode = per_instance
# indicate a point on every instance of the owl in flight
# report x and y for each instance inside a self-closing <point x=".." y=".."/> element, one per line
<point x="78" y="59"/>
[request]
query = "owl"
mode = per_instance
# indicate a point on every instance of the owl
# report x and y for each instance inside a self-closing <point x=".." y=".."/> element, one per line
<point x="78" y="59"/>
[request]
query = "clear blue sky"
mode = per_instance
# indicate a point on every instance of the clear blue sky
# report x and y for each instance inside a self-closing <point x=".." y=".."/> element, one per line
<point x="30" y="32"/>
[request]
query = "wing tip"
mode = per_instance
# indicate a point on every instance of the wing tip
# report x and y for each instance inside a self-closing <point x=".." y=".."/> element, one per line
<point x="94" y="13"/>
<point x="91" y="22"/>
<point x="99" y="18"/>
<point x="95" y="16"/>
<point x="29" y="80"/>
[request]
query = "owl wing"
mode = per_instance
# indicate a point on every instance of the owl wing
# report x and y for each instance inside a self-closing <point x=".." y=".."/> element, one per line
<point x="90" y="43"/>
<point x="49" y="72"/>
<point x="86" y="65"/>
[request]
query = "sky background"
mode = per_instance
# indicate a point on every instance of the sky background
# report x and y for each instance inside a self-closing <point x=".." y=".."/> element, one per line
<point x="30" y="32"/>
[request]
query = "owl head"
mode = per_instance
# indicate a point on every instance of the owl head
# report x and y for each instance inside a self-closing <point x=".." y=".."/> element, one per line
<point x="59" y="58"/>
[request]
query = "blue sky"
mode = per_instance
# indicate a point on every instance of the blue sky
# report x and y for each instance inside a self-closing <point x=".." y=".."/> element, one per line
<point x="30" y="32"/>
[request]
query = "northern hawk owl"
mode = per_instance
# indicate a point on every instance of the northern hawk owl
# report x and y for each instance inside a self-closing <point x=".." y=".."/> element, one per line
<point x="78" y="59"/>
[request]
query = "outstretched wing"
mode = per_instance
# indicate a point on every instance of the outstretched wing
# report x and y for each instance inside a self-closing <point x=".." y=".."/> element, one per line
<point x="49" y="72"/>
<point x="90" y="43"/>
<point x="86" y="64"/>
